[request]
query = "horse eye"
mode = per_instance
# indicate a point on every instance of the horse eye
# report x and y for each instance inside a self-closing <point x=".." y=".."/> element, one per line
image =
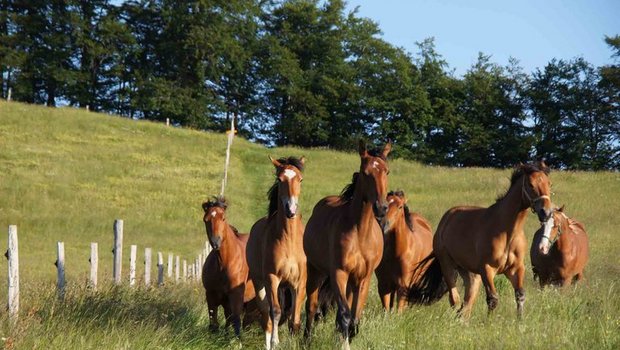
<point x="387" y="173"/>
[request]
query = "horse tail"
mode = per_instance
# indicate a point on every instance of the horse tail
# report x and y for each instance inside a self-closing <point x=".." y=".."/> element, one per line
<point x="327" y="300"/>
<point x="430" y="285"/>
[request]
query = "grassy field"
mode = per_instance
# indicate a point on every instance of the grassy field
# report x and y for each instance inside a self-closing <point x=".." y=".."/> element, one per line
<point x="66" y="174"/>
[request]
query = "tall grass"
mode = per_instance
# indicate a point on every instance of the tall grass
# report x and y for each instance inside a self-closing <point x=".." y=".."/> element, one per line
<point x="66" y="174"/>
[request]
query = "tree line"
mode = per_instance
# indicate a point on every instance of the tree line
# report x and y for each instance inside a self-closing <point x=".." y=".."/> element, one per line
<point x="306" y="73"/>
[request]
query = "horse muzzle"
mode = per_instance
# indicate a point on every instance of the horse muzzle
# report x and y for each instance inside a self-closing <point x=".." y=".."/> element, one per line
<point x="216" y="243"/>
<point x="379" y="209"/>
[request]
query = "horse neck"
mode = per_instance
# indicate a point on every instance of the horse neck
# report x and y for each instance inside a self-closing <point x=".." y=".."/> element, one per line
<point x="361" y="213"/>
<point x="287" y="229"/>
<point x="399" y="236"/>
<point x="512" y="209"/>
<point x="229" y="248"/>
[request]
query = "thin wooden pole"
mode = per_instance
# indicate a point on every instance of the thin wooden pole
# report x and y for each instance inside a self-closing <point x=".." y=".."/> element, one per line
<point x="160" y="269"/>
<point x="94" y="262"/>
<point x="170" y="257"/>
<point x="60" y="265"/>
<point x="13" y="255"/>
<point x="147" y="266"/>
<point x="118" y="250"/>
<point x="184" y="270"/>
<point x="132" y="264"/>
<point x="177" y="269"/>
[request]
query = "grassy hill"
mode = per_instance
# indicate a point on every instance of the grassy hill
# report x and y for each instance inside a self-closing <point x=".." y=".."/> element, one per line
<point x="66" y="174"/>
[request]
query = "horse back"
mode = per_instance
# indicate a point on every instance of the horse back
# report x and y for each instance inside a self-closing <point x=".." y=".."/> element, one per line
<point x="423" y="235"/>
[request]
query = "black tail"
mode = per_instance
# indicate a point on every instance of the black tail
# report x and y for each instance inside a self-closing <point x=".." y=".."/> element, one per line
<point x="430" y="286"/>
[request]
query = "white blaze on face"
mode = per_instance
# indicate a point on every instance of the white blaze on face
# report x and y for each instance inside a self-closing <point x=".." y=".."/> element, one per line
<point x="544" y="243"/>
<point x="289" y="174"/>
<point x="213" y="213"/>
<point x="375" y="165"/>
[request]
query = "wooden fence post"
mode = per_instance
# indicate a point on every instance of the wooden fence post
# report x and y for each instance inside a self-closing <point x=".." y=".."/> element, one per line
<point x="177" y="269"/>
<point x="13" y="255"/>
<point x="118" y="250"/>
<point x="184" y="270"/>
<point x="160" y="269"/>
<point x="8" y="98"/>
<point x="132" y="264"/>
<point x="94" y="262"/>
<point x="170" y="265"/>
<point x="60" y="265"/>
<point x="147" y="266"/>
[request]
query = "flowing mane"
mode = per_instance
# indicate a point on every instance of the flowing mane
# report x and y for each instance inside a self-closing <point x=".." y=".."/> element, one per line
<point x="347" y="192"/>
<point x="272" y="194"/>
<point x="401" y="195"/>
<point x="523" y="169"/>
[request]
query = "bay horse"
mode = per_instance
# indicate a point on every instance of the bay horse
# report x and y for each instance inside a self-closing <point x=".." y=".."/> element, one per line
<point x="225" y="271"/>
<point x="559" y="251"/>
<point x="275" y="251"/>
<point x="480" y="243"/>
<point x="344" y="242"/>
<point x="408" y="240"/>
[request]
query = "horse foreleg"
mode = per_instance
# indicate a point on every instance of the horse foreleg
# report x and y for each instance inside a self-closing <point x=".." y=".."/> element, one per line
<point x="313" y="282"/>
<point x="359" y="301"/>
<point x="263" y="307"/>
<point x="516" y="279"/>
<point x="488" y="274"/>
<point x="385" y="295"/>
<point x="212" y="303"/>
<point x="298" y="299"/>
<point x="273" y="282"/>
<point x="339" y="281"/>
<point x="235" y="300"/>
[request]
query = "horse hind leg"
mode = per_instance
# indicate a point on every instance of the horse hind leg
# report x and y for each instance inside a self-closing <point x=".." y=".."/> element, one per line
<point x="449" y="272"/>
<point x="339" y="281"/>
<point x="472" y="283"/>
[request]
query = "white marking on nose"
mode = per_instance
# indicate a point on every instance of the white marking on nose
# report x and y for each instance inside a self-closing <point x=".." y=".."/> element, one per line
<point x="290" y="174"/>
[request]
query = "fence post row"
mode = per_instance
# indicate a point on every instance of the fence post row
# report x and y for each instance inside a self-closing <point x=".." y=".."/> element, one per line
<point x="177" y="269"/>
<point x="94" y="262"/>
<point x="60" y="265"/>
<point x="170" y="263"/>
<point x="118" y="250"/>
<point x="13" y="255"/>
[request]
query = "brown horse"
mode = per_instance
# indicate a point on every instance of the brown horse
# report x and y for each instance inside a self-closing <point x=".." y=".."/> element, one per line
<point x="480" y="243"/>
<point x="343" y="241"/>
<point x="559" y="250"/>
<point x="408" y="240"/>
<point x="225" y="271"/>
<point x="275" y="251"/>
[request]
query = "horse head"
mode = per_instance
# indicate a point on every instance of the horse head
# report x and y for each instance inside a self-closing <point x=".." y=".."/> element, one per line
<point x="289" y="178"/>
<point x="552" y="229"/>
<point x="373" y="178"/>
<point x="536" y="189"/>
<point x="397" y="207"/>
<point x="215" y="220"/>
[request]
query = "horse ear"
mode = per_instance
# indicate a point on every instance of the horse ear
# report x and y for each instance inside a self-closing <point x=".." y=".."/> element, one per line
<point x="275" y="162"/>
<point x="302" y="160"/>
<point x="543" y="166"/>
<point x="362" y="148"/>
<point x="561" y="209"/>
<point x="386" y="149"/>
<point x="205" y="206"/>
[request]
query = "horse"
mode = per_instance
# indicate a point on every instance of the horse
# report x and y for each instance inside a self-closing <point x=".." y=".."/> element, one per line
<point x="559" y="251"/>
<point x="479" y="243"/>
<point x="344" y="242"/>
<point x="275" y="251"/>
<point x="225" y="271"/>
<point x="408" y="240"/>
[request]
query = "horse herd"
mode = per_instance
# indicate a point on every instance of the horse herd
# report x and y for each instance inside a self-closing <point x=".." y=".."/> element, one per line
<point x="268" y="273"/>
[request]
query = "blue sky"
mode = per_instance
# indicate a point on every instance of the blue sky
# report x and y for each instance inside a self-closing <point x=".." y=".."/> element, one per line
<point x="532" y="31"/>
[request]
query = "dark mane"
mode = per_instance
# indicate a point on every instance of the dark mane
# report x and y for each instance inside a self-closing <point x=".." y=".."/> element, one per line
<point x="524" y="169"/>
<point x="347" y="192"/>
<point x="401" y="195"/>
<point x="272" y="194"/>
<point x="215" y="201"/>
<point x="376" y="152"/>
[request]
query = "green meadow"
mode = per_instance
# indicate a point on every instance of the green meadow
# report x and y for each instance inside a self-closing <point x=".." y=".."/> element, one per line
<point x="67" y="174"/>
